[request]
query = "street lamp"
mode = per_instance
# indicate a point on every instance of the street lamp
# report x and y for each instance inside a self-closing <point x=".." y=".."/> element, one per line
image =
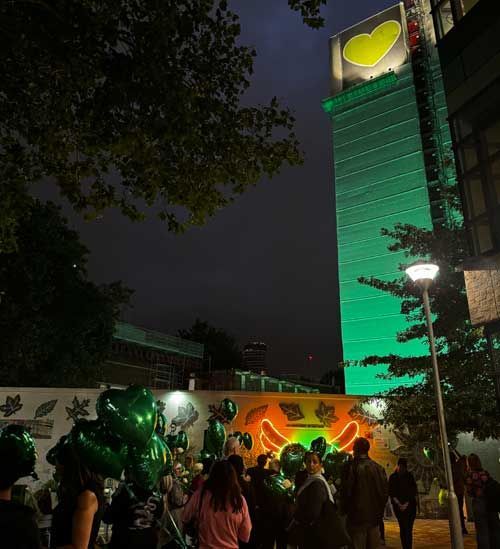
<point x="423" y="274"/>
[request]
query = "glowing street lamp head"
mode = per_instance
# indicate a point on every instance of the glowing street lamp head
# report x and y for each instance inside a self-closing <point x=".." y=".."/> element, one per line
<point x="422" y="271"/>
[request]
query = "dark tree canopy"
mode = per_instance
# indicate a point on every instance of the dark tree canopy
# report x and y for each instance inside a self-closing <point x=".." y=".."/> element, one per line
<point x="56" y="326"/>
<point x="221" y="349"/>
<point x="465" y="367"/>
<point x="132" y="104"/>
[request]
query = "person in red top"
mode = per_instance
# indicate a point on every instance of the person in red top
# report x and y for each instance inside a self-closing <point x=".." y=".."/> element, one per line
<point x="219" y="510"/>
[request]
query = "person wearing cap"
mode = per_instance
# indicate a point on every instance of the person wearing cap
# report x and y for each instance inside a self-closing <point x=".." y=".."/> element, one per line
<point x="18" y="527"/>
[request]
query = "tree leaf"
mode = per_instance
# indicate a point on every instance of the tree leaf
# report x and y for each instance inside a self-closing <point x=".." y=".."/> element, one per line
<point x="45" y="408"/>
<point x="358" y="413"/>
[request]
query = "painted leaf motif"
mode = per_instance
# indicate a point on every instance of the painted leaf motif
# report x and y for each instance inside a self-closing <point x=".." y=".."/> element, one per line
<point x="292" y="411"/>
<point x="256" y="414"/>
<point x="186" y="416"/>
<point x="78" y="410"/>
<point x="45" y="408"/>
<point x="326" y="414"/>
<point x="358" y="413"/>
<point x="11" y="406"/>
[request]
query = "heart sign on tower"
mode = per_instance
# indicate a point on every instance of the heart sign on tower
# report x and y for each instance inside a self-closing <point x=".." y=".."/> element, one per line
<point x="367" y="50"/>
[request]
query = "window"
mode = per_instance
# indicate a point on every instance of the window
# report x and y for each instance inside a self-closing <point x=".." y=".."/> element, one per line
<point x="447" y="13"/>
<point x="477" y="144"/>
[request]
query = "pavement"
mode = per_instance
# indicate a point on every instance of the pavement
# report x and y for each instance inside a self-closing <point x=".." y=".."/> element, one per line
<point x="433" y="534"/>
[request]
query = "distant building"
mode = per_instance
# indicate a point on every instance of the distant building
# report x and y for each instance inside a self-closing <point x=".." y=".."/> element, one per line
<point x="254" y="357"/>
<point x="468" y="45"/>
<point x="150" y="358"/>
<point x="240" y="380"/>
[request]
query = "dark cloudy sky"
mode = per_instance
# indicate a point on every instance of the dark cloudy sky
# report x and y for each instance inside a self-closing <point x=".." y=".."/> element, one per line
<point x="266" y="266"/>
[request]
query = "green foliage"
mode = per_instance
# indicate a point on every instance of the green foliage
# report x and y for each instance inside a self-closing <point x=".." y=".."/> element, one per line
<point x="56" y="326"/>
<point x="310" y="11"/>
<point x="132" y="104"/>
<point x="465" y="367"/>
<point x="221" y="349"/>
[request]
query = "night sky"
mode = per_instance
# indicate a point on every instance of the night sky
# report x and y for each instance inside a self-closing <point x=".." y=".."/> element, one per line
<point x="265" y="267"/>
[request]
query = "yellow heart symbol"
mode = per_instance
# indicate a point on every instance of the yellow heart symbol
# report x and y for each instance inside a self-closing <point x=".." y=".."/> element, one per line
<point x="366" y="50"/>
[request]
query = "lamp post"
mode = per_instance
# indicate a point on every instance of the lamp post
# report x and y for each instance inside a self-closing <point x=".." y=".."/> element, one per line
<point x="423" y="274"/>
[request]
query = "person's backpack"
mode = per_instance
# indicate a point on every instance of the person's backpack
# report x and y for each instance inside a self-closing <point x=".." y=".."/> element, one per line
<point x="492" y="495"/>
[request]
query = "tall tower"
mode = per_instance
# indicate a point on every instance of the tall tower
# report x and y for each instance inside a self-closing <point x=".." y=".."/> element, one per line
<point x="392" y="159"/>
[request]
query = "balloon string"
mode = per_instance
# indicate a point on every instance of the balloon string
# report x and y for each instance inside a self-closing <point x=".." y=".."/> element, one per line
<point x="177" y="531"/>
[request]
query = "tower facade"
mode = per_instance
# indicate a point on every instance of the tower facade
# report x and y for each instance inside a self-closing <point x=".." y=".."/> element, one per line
<point x="392" y="160"/>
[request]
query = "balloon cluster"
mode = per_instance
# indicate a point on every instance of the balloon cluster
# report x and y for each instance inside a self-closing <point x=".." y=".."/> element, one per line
<point x="128" y="435"/>
<point x="17" y="452"/>
<point x="215" y="435"/>
<point x="292" y="461"/>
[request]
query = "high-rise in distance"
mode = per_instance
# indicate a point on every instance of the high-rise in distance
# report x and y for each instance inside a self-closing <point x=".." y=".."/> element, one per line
<point x="392" y="160"/>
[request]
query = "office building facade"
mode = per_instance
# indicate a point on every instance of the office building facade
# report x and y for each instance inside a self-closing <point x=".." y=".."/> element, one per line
<point x="467" y="41"/>
<point x="392" y="161"/>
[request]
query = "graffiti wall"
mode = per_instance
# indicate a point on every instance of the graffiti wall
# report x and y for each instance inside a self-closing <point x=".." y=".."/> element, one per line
<point x="273" y="419"/>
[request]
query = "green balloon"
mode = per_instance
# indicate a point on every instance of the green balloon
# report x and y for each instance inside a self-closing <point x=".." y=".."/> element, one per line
<point x="333" y="464"/>
<point x="292" y="459"/>
<point x="274" y="484"/>
<point x="98" y="450"/>
<point x="247" y="441"/>
<point x="55" y="454"/>
<point x="215" y="438"/>
<point x="130" y="415"/>
<point x="318" y="445"/>
<point x="229" y="409"/>
<point x="17" y="452"/>
<point x="182" y="440"/>
<point x="238" y="435"/>
<point x="147" y="465"/>
<point x="161" y="425"/>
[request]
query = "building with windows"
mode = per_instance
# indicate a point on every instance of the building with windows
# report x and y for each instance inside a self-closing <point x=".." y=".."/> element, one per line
<point x="255" y="357"/>
<point x="392" y="161"/>
<point x="467" y="40"/>
<point x="150" y="358"/>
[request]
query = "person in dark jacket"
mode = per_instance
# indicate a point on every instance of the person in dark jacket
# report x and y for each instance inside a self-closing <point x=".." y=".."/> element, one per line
<point x="257" y="476"/>
<point x="403" y="494"/>
<point x="18" y="527"/>
<point x="311" y="497"/>
<point x="363" y="495"/>
<point x="248" y="493"/>
<point x="459" y="470"/>
<point x="134" y="513"/>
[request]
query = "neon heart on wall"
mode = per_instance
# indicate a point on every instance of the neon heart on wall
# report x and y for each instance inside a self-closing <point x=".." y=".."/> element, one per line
<point x="366" y="50"/>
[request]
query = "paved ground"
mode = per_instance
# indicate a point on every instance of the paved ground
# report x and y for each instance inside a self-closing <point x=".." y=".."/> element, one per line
<point x="433" y="534"/>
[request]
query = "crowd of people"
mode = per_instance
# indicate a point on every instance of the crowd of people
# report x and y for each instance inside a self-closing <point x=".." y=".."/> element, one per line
<point x="218" y="504"/>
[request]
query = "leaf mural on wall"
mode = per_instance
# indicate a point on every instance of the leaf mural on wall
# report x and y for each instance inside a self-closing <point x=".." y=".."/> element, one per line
<point x="326" y="414"/>
<point x="79" y="409"/>
<point x="11" y="406"/>
<point x="358" y="413"/>
<point x="256" y="414"/>
<point x="186" y="416"/>
<point x="45" y="408"/>
<point x="291" y="410"/>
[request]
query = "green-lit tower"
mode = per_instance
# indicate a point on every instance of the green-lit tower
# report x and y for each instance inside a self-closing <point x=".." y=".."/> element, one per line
<point x="392" y="158"/>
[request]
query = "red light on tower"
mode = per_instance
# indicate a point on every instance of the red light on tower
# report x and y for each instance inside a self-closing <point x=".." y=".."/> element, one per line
<point x="309" y="358"/>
